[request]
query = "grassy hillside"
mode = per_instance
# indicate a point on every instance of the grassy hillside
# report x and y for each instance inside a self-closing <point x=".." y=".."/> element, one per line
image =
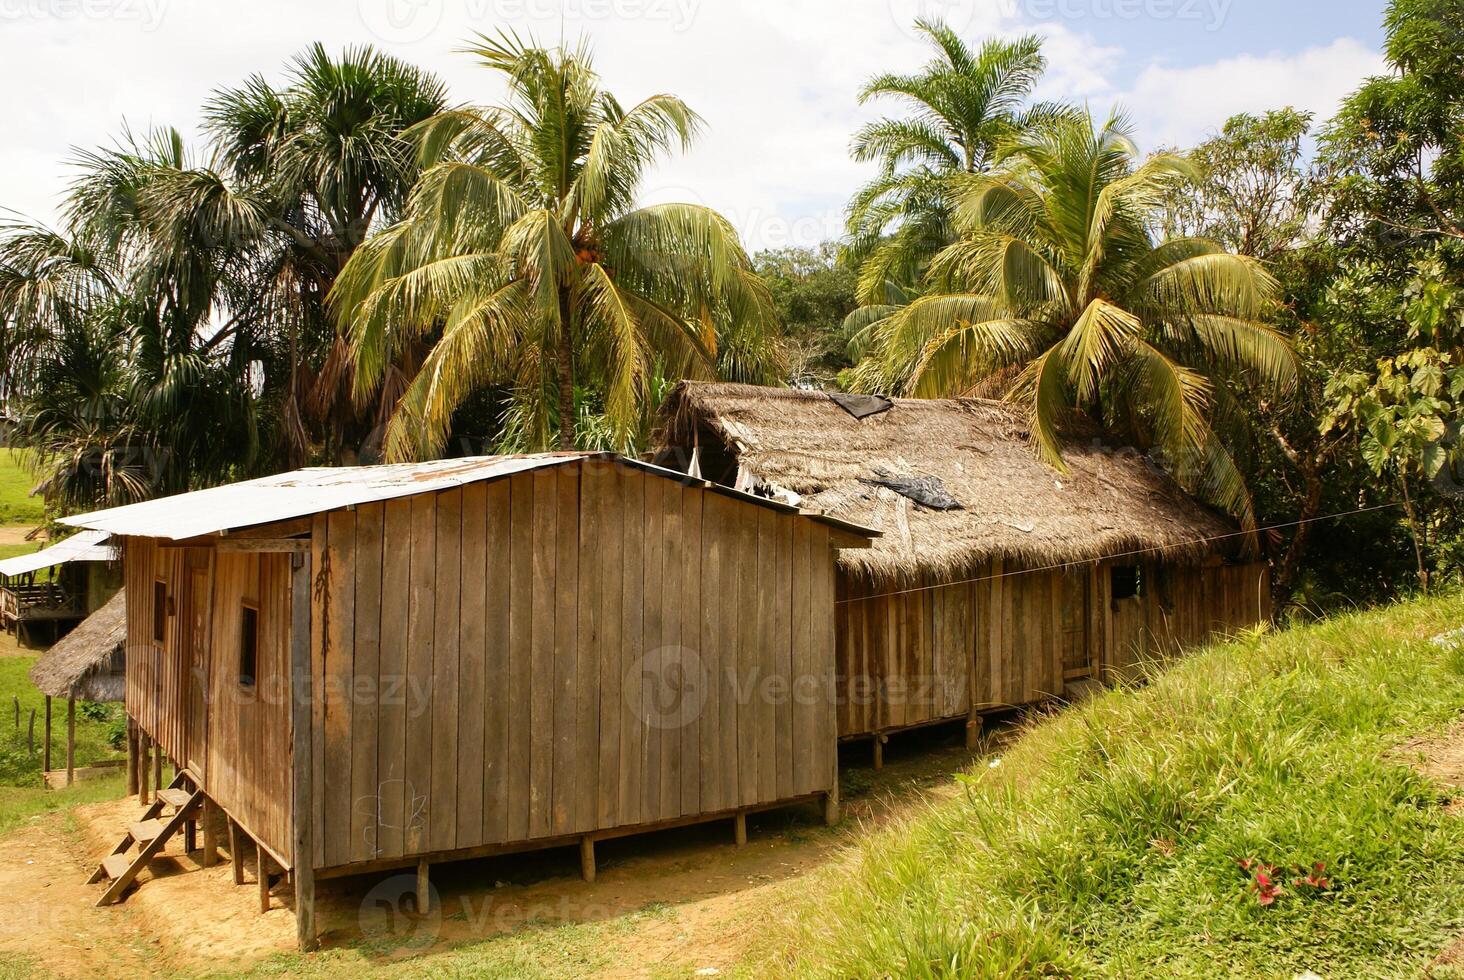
<point x="16" y="504"/>
<point x="1124" y="838"/>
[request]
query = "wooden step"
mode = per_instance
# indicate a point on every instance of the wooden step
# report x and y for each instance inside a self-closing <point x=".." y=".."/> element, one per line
<point x="115" y="864"/>
<point x="145" y="831"/>
<point x="174" y="796"/>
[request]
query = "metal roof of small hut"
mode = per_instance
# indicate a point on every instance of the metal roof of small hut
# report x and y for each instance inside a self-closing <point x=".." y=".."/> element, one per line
<point x="79" y="665"/>
<point x="1112" y="500"/>
<point x="82" y="546"/>
<point x="316" y="490"/>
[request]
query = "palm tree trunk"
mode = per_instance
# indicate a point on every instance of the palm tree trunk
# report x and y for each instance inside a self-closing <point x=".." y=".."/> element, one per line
<point x="566" y="373"/>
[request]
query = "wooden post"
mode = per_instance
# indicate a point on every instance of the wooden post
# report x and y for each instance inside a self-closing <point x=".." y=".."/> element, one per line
<point x="973" y="730"/>
<point x="16" y="699"/>
<point x="157" y="773"/>
<point x="236" y="855"/>
<point x="302" y="793"/>
<point x="131" y="753"/>
<point x="424" y="888"/>
<point x="261" y="864"/>
<point x="144" y="742"/>
<point x="739" y="828"/>
<point x="70" y="741"/>
<point x="46" y="746"/>
<point x="210" y="833"/>
<point x="30" y="733"/>
<point x="879" y="741"/>
<point x="587" y="857"/>
<point x="831" y="807"/>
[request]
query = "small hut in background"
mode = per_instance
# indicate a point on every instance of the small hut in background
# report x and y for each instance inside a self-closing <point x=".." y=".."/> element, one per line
<point x="88" y="573"/>
<point x="999" y="581"/>
<point x="88" y="664"/>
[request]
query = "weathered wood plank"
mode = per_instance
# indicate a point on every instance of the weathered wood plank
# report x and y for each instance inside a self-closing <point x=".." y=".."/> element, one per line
<point x="689" y="752"/>
<point x="498" y="571"/>
<point x="421" y="618"/>
<point x="714" y="580"/>
<point x="543" y="672"/>
<point x="472" y="661"/>
<point x="567" y="743"/>
<point x="673" y="568"/>
<point x="652" y="673"/>
<point x="631" y="795"/>
<point x="447" y="623"/>
<point x="339" y="654"/>
<point x="396" y="575"/>
<point x="365" y="720"/>
<point x="521" y="574"/>
<point x="608" y="555"/>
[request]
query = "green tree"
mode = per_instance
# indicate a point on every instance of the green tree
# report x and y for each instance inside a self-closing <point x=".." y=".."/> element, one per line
<point x="1056" y="273"/>
<point x="961" y="106"/>
<point x="812" y="293"/>
<point x="523" y="261"/>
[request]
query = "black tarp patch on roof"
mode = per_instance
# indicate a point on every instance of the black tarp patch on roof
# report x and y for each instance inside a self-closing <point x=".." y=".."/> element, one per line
<point x="927" y="491"/>
<point x="861" y="406"/>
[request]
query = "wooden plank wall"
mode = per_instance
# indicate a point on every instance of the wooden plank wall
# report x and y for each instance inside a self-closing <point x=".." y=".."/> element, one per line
<point x="1185" y="606"/>
<point x="513" y="649"/>
<point x="247" y="731"/>
<point x="905" y="650"/>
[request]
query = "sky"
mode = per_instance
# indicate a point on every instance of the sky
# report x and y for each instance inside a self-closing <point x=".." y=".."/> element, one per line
<point x="775" y="80"/>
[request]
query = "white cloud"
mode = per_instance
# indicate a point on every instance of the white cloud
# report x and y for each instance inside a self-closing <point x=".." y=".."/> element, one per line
<point x="1180" y="106"/>
<point x="775" y="79"/>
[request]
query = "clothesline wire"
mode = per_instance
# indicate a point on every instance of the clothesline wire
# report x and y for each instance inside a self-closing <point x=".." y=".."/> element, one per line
<point x="1126" y="554"/>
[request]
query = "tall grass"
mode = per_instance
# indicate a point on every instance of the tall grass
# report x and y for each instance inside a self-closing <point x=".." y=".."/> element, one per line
<point x="17" y="506"/>
<point x="1107" y="841"/>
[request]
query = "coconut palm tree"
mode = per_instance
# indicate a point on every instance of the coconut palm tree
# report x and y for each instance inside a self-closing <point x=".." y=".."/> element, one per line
<point x="1057" y="275"/>
<point x="523" y="261"/>
<point x="962" y="105"/>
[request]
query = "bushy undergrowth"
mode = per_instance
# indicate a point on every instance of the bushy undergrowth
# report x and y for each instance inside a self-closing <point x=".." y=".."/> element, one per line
<point x="1171" y="830"/>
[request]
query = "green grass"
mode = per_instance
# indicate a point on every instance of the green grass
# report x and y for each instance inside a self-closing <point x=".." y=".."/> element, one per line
<point x="16" y="504"/>
<point x="1107" y="840"/>
<point x="20" y="769"/>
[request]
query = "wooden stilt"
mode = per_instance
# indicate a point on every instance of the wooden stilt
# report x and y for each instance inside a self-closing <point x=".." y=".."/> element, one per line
<point x="879" y="743"/>
<point x="831" y="807"/>
<point x="210" y="833"/>
<point x="424" y="889"/>
<point x="262" y="867"/>
<point x="46" y="748"/>
<point x="739" y="829"/>
<point x="157" y="767"/>
<point x="236" y="853"/>
<point x="70" y="741"/>
<point x="973" y="731"/>
<point x="587" y="858"/>
<point x="144" y="744"/>
<point x="131" y="750"/>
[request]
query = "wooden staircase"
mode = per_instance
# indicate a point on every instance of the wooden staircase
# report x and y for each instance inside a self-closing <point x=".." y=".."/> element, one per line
<point x="173" y="809"/>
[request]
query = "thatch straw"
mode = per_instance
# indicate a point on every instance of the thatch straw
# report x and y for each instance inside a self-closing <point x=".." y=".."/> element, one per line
<point x="80" y="664"/>
<point x="1111" y="501"/>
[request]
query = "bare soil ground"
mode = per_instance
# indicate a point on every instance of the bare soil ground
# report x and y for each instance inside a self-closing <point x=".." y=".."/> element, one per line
<point x="681" y="901"/>
<point x="1441" y="758"/>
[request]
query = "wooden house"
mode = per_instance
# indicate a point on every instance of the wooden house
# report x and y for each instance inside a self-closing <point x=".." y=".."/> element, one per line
<point x="379" y="667"/>
<point x="1032" y="582"/>
<point x="59" y="585"/>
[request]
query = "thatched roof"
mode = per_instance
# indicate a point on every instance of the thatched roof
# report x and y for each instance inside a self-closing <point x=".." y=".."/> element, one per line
<point x="80" y="665"/>
<point x="1112" y="501"/>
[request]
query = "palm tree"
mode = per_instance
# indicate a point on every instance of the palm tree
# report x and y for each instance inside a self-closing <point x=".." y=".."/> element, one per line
<point x="963" y="104"/>
<point x="524" y="262"/>
<point x="1057" y="274"/>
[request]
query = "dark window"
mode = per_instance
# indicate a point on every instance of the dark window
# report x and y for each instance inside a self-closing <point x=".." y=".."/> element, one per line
<point x="248" y="646"/>
<point x="1127" y="583"/>
<point x="160" y="612"/>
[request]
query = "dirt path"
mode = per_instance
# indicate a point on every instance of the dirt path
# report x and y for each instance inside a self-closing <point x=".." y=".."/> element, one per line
<point x="682" y="900"/>
<point x="16" y="534"/>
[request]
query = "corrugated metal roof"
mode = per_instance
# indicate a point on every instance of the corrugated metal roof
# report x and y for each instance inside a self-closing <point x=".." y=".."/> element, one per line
<point x="82" y="546"/>
<point x="320" y="489"/>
